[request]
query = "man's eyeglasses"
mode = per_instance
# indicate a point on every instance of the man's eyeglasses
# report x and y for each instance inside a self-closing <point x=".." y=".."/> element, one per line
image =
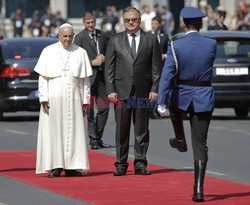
<point x="133" y="20"/>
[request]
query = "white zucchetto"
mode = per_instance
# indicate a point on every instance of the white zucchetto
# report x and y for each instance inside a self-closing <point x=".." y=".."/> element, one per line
<point x="65" y="25"/>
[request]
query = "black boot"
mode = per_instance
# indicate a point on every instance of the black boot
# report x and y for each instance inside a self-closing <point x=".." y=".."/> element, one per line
<point x="180" y="145"/>
<point x="179" y="142"/>
<point x="199" y="174"/>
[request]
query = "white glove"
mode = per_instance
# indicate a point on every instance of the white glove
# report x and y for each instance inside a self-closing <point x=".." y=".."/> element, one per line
<point x="162" y="110"/>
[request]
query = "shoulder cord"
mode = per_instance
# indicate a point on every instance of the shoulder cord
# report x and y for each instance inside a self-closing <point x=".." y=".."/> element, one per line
<point x="175" y="58"/>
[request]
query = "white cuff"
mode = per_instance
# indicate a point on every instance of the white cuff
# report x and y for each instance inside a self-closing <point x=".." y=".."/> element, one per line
<point x="162" y="110"/>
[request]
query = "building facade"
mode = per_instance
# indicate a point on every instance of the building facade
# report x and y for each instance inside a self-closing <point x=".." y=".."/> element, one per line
<point x="73" y="9"/>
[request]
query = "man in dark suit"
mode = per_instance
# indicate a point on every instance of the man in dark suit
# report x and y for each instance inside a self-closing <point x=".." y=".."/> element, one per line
<point x="163" y="40"/>
<point x="94" y="41"/>
<point x="132" y="71"/>
<point x="162" y="37"/>
<point x="186" y="86"/>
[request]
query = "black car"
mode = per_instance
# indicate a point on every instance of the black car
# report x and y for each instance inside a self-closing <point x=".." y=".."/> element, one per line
<point x="231" y="73"/>
<point x="18" y="81"/>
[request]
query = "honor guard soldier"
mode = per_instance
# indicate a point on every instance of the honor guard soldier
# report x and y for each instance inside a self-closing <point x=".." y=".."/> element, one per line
<point x="185" y="86"/>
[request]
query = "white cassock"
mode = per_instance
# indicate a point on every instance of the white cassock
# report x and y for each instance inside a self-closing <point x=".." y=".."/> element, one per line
<point x="64" y="83"/>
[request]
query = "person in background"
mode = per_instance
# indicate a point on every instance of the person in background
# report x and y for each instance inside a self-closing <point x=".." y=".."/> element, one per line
<point x="64" y="91"/>
<point x="114" y="11"/>
<point x="56" y="23"/>
<point x="146" y="17"/>
<point x="185" y="86"/>
<point x="59" y="20"/>
<point x="219" y="23"/>
<point x="243" y="10"/>
<point x="47" y="20"/>
<point x="132" y="71"/>
<point x="211" y="18"/>
<point x="94" y="41"/>
<point x="167" y="21"/>
<point x="203" y="6"/>
<point x="18" y="20"/>
<point x="53" y="32"/>
<point x="35" y="25"/>
<point x="246" y="19"/>
<point x="109" y="22"/>
<point x="157" y="10"/>
<point x="163" y="41"/>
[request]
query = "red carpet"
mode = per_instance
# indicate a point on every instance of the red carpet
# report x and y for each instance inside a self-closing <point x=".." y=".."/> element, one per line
<point x="164" y="186"/>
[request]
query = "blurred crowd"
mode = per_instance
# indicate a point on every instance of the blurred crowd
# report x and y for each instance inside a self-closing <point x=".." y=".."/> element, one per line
<point x="110" y="21"/>
<point x="220" y="19"/>
<point x="45" y="25"/>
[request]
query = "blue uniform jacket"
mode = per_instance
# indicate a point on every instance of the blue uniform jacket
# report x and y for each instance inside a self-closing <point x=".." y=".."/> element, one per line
<point x="195" y="55"/>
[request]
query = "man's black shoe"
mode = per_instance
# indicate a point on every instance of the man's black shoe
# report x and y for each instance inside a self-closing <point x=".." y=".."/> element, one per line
<point x="72" y="173"/>
<point x="55" y="173"/>
<point x="142" y="171"/>
<point x="180" y="145"/>
<point x="95" y="145"/>
<point x="120" y="171"/>
<point x="103" y="145"/>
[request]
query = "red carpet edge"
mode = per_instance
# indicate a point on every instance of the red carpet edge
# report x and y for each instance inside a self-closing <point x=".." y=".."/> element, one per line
<point x="100" y="187"/>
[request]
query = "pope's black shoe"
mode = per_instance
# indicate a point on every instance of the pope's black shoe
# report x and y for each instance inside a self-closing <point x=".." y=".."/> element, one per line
<point x="72" y="173"/>
<point x="55" y="173"/>
<point x="120" y="171"/>
<point x="180" y="145"/>
<point x="142" y="171"/>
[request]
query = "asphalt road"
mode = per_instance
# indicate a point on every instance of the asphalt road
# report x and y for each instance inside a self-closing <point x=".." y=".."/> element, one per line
<point x="228" y="142"/>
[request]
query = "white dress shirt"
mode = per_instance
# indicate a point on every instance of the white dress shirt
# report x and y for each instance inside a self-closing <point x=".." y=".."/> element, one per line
<point x="137" y="39"/>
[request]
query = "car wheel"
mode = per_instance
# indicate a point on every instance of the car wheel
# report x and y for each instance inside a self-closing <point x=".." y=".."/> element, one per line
<point x="241" y="112"/>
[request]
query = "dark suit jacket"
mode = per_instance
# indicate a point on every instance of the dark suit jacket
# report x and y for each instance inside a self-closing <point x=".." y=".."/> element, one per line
<point x="122" y="70"/>
<point x="83" y="40"/>
<point x="163" y="42"/>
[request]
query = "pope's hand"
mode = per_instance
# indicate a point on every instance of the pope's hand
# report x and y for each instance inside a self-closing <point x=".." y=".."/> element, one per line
<point x="162" y="110"/>
<point x="45" y="106"/>
<point x="84" y="109"/>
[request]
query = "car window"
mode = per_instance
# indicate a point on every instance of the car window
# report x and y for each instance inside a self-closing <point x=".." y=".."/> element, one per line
<point x="20" y="50"/>
<point x="233" y="48"/>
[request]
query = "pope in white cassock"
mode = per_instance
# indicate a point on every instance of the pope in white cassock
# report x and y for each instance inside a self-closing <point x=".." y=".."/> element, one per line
<point x="64" y="92"/>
